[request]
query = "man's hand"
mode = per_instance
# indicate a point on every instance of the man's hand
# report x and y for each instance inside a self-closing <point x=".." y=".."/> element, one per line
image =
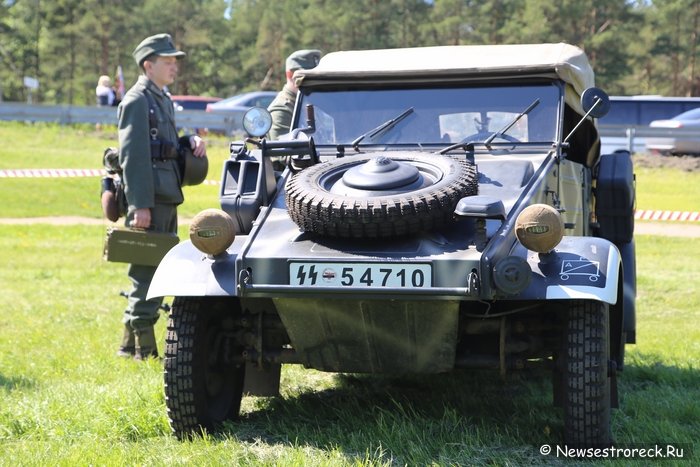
<point x="142" y="218"/>
<point x="199" y="147"/>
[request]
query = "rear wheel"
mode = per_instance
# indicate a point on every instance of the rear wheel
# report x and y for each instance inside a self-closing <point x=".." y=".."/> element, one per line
<point x="203" y="382"/>
<point x="586" y="383"/>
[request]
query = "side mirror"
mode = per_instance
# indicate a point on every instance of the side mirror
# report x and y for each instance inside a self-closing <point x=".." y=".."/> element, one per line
<point x="257" y="122"/>
<point x="595" y="102"/>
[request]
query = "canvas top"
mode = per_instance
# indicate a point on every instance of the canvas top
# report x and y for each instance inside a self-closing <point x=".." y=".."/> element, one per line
<point x="564" y="61"/>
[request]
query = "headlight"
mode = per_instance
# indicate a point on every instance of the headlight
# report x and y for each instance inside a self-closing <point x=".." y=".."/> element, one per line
<point x="212" y="231"/>
<point x="257" y="121"/>
<point x="539" y="228"/>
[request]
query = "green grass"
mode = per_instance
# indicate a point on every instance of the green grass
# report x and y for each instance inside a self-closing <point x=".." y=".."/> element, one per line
<point x="668" y="189"/>
<point x="45" y="145"/>
<point x="53" y="146"/>
<point x="66" y="400"/>
<point x="49" y="146"/>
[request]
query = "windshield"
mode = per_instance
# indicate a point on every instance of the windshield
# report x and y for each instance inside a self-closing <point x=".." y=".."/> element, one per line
<point x="440" y="116"/>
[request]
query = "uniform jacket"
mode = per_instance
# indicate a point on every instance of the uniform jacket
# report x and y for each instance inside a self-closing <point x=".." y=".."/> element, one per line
<point x="147" y="181"/>
<point x="282" y="109"/>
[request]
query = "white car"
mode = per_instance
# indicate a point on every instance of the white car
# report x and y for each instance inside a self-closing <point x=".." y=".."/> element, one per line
<point x="686" y="141"/>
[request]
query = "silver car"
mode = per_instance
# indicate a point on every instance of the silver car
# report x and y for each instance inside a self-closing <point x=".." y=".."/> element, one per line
<point x="236" y="106"/>
<point x="684" y="134"/>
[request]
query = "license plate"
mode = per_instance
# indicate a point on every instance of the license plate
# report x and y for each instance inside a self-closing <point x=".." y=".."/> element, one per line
<point x="361" y="275"/>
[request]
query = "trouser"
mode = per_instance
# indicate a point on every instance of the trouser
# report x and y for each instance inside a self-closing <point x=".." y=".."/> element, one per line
<point x="141" y="313"/>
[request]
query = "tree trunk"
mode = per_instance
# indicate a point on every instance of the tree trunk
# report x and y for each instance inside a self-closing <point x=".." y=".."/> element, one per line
<point x="693" y="82"/>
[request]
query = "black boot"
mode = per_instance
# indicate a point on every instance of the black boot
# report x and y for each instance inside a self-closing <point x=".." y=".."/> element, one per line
<point x="127" y="348"/>
<point x="145" y="343"/>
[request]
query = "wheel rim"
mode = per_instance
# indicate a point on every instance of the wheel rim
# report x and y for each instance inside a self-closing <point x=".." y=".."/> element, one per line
<point x="380" y="176"/>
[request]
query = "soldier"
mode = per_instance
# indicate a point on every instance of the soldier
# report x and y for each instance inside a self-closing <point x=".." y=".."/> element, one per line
<point x="148" y="155"/>
<point x="282" y="107"/>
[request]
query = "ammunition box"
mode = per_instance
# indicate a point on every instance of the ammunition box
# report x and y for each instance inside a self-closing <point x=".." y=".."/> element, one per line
<point x="133" y="246"/>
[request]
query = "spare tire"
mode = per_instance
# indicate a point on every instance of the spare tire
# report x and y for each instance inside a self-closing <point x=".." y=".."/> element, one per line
<point x="379" y="195"/>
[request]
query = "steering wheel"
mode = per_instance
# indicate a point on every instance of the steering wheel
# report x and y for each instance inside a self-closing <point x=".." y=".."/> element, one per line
<point x="484" y="135"/>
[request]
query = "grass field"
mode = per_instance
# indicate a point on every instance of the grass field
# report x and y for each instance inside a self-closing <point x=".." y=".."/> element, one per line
<point x="66" y="400"/>
<point x="44" y="146"/>
<point x="668" y="189"/>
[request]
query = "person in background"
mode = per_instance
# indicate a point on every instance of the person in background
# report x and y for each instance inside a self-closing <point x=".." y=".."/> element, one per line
<point x="148" y="142"/>
<point x="282" y="107"/>
<point x="105" y="92"/>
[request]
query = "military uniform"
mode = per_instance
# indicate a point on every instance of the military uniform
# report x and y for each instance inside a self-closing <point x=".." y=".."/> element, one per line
<point x="282" y="108"/>
<point x="149" y="182"/>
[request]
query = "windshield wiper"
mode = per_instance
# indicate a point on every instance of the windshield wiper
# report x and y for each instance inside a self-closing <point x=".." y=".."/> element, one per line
<point x="381" y="129"/>
<point x="502" y="131"/>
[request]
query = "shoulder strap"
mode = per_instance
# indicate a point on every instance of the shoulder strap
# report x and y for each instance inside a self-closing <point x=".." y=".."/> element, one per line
<point x="152" y="120"/>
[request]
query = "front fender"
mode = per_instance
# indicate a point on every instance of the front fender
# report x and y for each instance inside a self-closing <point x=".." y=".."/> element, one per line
<point x="187" y="272"/>
<point x="578" y="268"/>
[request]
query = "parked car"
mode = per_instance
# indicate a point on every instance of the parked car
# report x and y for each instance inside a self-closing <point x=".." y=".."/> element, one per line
<point x="687" y="142"/>
<point x="634" y="111"/>
<point x="441" y="208"/>
<point x="237" y="105"/>
<point x="243" y="102"/>
<point x="193" y="102"/>
<point x="182" y="102"/>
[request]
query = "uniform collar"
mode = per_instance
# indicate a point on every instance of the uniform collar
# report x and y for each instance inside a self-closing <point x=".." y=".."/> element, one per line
<point x="151" y="86"/>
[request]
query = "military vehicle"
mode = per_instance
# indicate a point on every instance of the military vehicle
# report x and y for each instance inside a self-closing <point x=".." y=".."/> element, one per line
<point x="440" y="208"/>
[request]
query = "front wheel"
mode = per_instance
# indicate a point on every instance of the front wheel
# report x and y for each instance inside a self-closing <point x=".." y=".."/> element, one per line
<point x="203" y="380"/>
<point x="586" y="380"/>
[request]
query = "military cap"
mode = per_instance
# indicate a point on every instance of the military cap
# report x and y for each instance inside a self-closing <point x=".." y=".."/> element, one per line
<point x="160" y="44"/>
<point x="306" y="59"/>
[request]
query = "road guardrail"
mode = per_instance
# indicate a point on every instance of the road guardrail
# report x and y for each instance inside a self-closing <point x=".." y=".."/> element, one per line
<point x="229" y="122"/>
<point x="619" y="136"/>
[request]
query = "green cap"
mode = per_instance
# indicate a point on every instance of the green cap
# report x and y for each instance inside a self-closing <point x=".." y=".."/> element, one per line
<point x="306" y="59"/>
<point x="160" y="44"/>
